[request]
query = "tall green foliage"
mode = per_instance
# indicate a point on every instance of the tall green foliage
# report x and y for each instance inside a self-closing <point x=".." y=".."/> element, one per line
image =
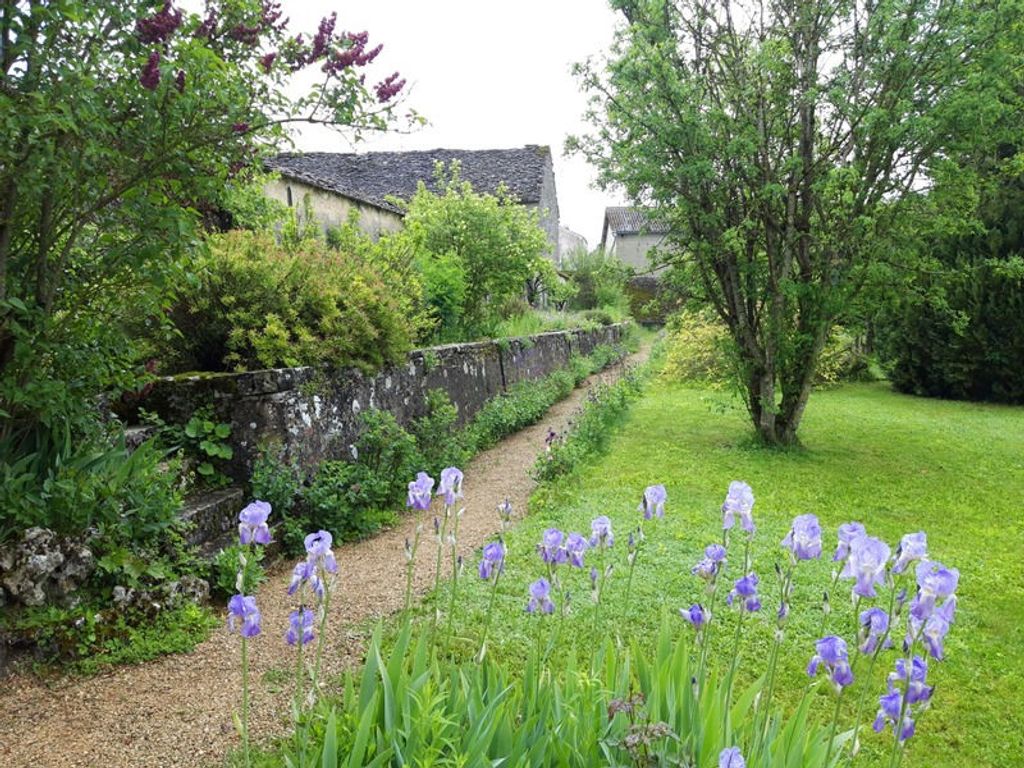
<point x="785" y="144"/>
<point x="475" y="251"/>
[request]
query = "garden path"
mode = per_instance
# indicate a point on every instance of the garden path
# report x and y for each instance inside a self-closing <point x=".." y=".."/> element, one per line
<point x="177" y="710"/>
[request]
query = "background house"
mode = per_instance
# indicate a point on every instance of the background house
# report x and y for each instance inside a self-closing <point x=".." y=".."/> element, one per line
<point x="630" y="233"/>
<point x="338" y="183"/>
<point x="569" y="241"/>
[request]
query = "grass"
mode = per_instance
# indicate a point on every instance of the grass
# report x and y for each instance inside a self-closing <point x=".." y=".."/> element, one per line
<point x="896" y="463"/>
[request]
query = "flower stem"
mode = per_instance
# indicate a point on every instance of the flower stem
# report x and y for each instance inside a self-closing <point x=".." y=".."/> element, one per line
<point x="832" y="730"/>
<point x="322" y="633"/>
<point x="245" y="701"/>
<point x="490" y="613"/>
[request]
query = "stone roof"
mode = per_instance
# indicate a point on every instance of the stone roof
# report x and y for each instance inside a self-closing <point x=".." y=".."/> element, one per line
<point x="372" y="177"/>
<point x="633" y="221"/>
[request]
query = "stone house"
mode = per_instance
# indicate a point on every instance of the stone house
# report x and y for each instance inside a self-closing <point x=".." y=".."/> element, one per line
<point x="338" y="183"/>
<point x="631" y="233"/>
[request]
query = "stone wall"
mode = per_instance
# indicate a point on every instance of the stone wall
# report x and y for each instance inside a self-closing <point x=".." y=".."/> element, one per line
<point x="314" y="415"/>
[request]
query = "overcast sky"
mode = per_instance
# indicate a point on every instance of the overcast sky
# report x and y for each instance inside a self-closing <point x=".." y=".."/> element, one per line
<point x="486" y="74"/>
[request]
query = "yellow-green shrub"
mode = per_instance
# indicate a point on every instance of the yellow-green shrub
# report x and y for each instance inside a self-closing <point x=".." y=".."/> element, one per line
<point x="260" y="304"/>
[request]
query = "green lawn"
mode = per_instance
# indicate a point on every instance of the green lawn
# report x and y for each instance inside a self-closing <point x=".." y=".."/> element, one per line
<point x="898" y="464"/>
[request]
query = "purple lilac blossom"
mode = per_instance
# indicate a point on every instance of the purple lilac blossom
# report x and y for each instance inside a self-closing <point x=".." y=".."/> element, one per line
<point x="451" y="485"/>
<point x="866" y="563"/>
<point x="730" y="757"/>
<point x="934" y="582"/>
<point x="738" y="501"/>
<point x="493" y="561"/>
<point x="913" y="546"/>
<point x="420" y="490"/>
<point x="242" y="608"/>
<point x="847" y="533"/>
<point x="540" y="599"/>
<point x="252" y="525"/>
<point x="746" y="589"/>
<point x="575" y="547"/>
<point x="695" y="614"/>
<point x="159" y="27"/>
<point x="653" y="504"/>
<point x="301" y="627"/>
<point x="804" y="538"/>
<point x="552" y="547"/>
<point x="601" y="532"/>
<point x="831" y="653"/>
<point x="874" y="624"/>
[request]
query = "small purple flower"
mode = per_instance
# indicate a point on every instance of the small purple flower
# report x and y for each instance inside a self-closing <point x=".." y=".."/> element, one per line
<point x="847" y="533"/>
<point x="866" y="563"/>
<point x="696" y="615"/>
<point x="730" y="757"/>
<point x="918" y="694"/>
<point x="913" y="546"/>
<point x="708" y="568"/>
<point x="493" y="561"/>
<point x="889" y="706"/>
<point x="831" y="652"/>
<point x="552" y="547"/>
<point x="745" y="589"/>
<point x="451" y="485"/>
<point x="934" y="582"/>
<point x="301" y="627"/>
<point x="540" y="599"/>
<point x="804" y="538"/>
<point x="505" y="512"/>
<point x="576" y="547"/>
<point x="252" y="526"/>
<point x="935" y="627"/>
<point x="420" y="491"/>
<point x="601" y="532"/>
<point x="243" y="609"/>
<point x="738" y="501"/>
<point x="874" y="623"/>
<point x="318" y="550"/>
<point x="918" y="690"/>
<point x="302" y="571"/>
<point x="653" y="504"/>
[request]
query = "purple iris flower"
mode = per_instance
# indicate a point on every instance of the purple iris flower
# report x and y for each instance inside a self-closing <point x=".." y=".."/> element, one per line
<point x="935" y="627"/>
<point x="695" y="614"/>
<point x="540" y="599"/>
<point x="918" y="690"/>
<point x="708" y="568"/>
<point x="730" y="757"/>
<point x="252" y="525"/>
<point x="738" y="501"/>
<point x="653" y="504"/>
<point x="493" y="561"/>
<point x="302" y="571"/>
<point x="889" y="706"/>
<point x="913" y="546"/>
<point x="804" y="538"/>
<point x="831" y="653"/>
<point x="601" y="532"/>
<point x="301" y="627"/>
<point x="243" y="609"/>
<point x="420" y="490"/>
<point x="451" y="485"/>
<point x="575" y="547"/>
<point x="874" y="623"/>
<point x="847" y="533"/>
<point x="745" y="589"/>
<point x="866" y="563"/>
<point x="318" y="550"/>
<point x="552" y="547"/>
<point x="934" y="582"/>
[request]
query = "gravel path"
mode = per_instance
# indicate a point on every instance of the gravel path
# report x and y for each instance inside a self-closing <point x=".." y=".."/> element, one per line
<point x="176" y="711"/>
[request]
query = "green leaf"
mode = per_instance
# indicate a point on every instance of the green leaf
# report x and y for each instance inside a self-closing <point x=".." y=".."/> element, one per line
<point x="222" y="431"/>
<point x="206" y="469"/>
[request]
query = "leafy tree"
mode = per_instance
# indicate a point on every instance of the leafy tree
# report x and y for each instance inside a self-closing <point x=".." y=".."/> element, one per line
<point x="122" y="122"/>
<point x="788" y="143"/>
<point x="476" y="251"/>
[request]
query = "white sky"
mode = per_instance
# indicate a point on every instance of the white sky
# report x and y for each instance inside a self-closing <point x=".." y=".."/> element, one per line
<point x="486" y="74"/>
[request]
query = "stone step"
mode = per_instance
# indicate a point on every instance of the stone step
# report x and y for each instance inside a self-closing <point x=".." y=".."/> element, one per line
<point x="213" y="515"/>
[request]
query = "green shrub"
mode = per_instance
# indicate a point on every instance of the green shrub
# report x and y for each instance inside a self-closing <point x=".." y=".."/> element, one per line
<point x="600" y="281"/>
<point x="698" y="350"/>
<point x="258" y="304"/>
<point x="225" y="569"/>
<point x="335" y="501"/>
<point x="274" y="481"/>
<point x="439" y="441"/>
<point x="524" y="404"/>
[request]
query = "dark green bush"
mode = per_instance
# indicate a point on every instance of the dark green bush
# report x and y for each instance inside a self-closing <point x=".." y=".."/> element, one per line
<point x="275" y="481"/>
<point x="224" y="576"/>
<point x="258" y="304"/>
<point x="439" y="441"/>
<point x="600" y="281"/>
